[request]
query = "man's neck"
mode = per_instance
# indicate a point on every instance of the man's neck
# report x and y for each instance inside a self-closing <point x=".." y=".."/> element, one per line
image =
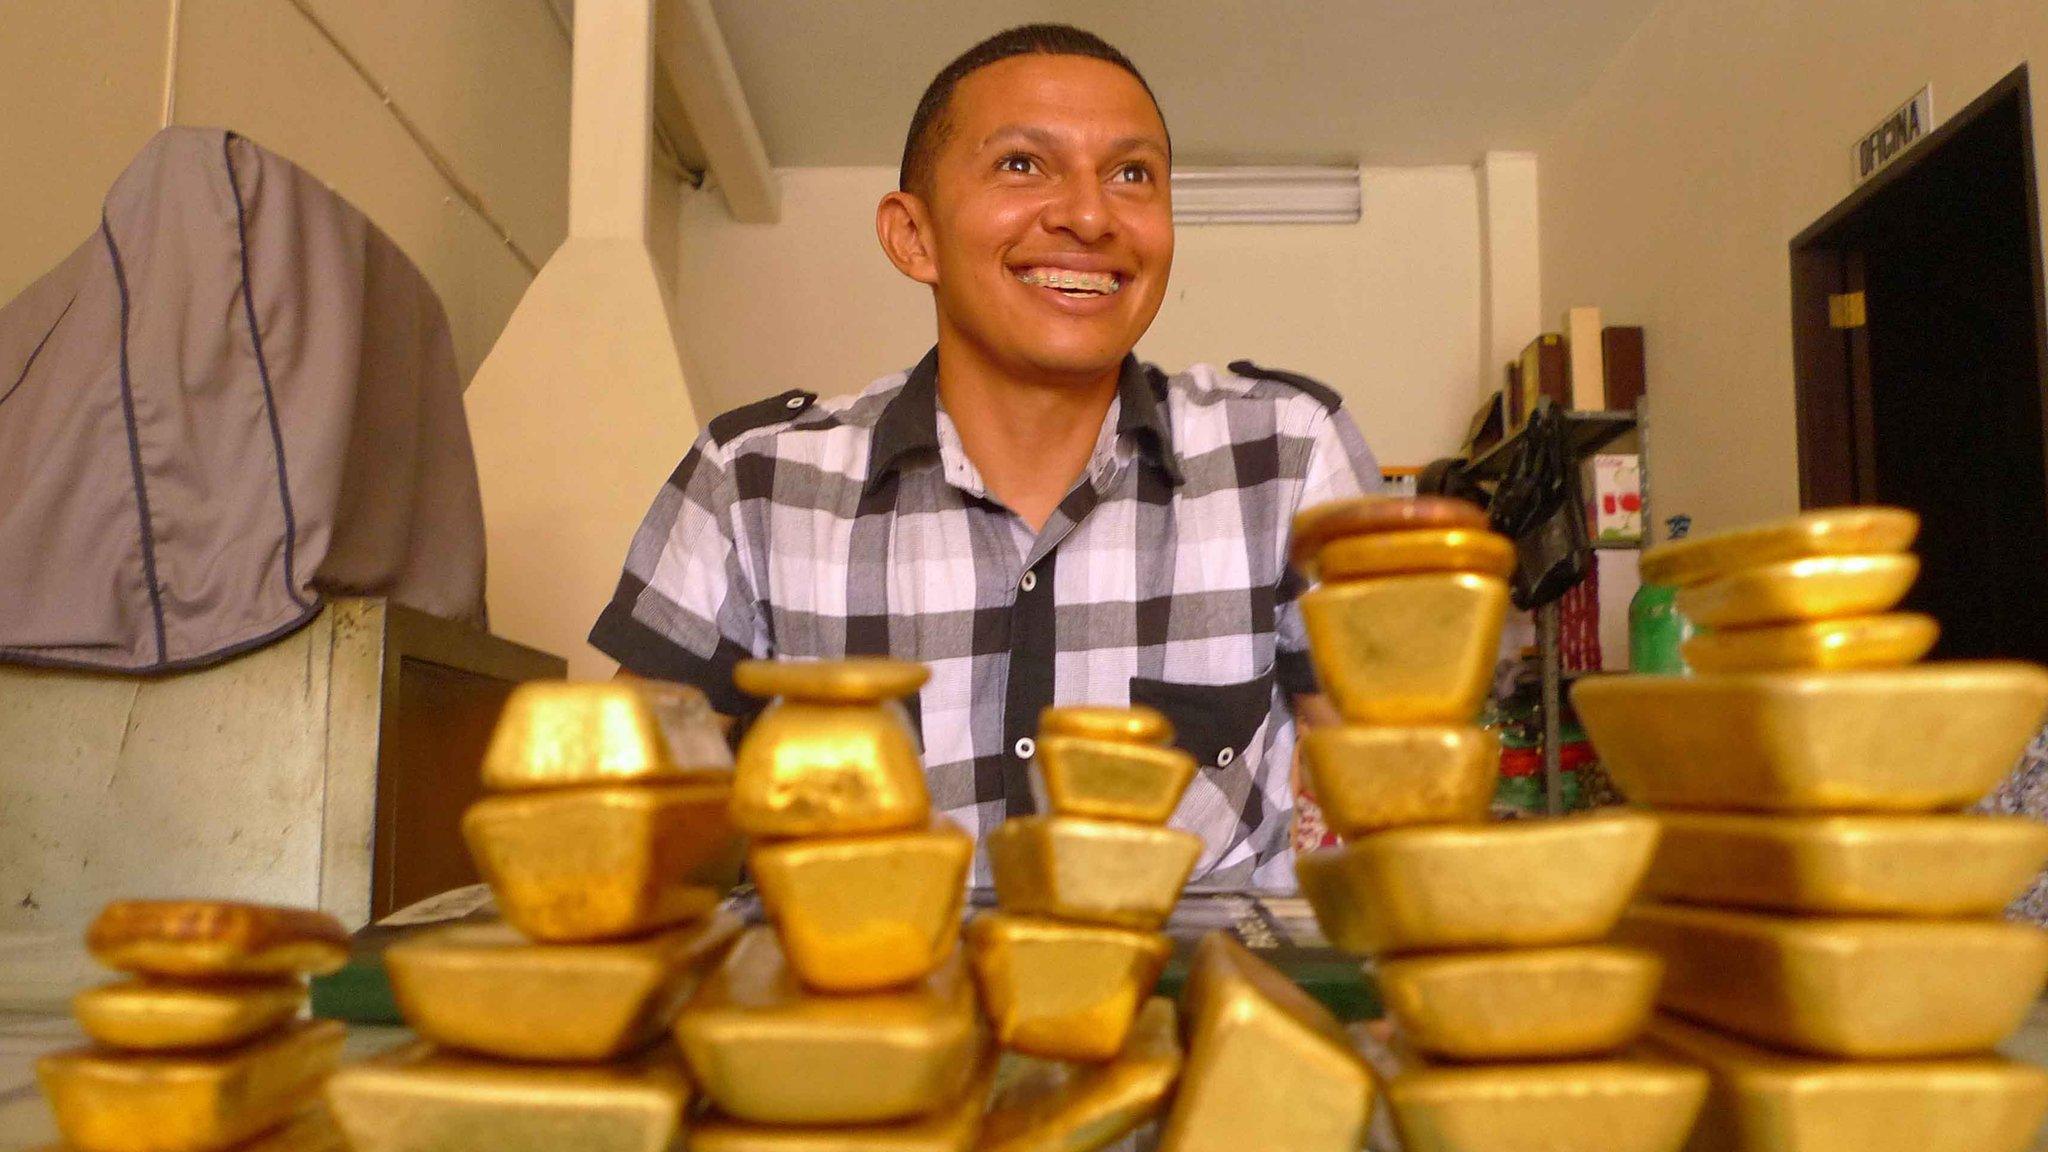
<point x="1029" y="439"/>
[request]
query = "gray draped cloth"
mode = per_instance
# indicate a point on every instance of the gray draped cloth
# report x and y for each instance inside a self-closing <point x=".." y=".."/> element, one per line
<point x="236" y="398"/>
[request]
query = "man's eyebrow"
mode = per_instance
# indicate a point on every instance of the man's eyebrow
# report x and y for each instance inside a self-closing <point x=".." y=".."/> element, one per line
<point x="1042" y="138"/>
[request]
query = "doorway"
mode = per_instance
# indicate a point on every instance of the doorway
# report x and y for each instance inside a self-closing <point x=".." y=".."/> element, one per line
<point x="1918" y="331"/>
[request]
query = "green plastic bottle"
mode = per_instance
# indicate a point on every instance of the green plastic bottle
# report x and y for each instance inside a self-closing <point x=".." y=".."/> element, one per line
<point x="1656" y="629"/>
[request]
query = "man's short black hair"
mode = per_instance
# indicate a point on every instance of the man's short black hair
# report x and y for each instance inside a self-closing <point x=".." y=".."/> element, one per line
<point x="929" y="125"/>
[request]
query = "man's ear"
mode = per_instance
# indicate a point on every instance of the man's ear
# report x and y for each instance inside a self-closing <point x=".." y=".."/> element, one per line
<point x="904" y="226"/>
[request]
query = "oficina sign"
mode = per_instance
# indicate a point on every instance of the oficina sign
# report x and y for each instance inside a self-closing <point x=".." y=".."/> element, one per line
<point x="1901" y="130"/>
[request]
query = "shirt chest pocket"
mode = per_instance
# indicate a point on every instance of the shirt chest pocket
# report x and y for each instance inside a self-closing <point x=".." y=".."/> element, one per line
<point x="1217" y="724"/>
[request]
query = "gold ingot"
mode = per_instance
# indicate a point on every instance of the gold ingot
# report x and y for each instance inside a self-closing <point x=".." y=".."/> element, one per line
<point x="1062" y="991"/>
<point x="692" y="728"/>
<point x="1407" y="649"/>
<point x="766" y="1051"/>
<point x="1372" y="778"/>
<point x="420" y="1099"/>
<point x="1766" y="1101"/>
<point x="1371" y="515"/>
<point x="1267" y="1066"/>
<point x="1845" y="987"/>
<point x="1899" y="739"/>
<point x="580" y="864"/>
<point x="1134" y="725"/>
<point x="1060" y="1107"/>
<point x="950" y="1129"/>
<point x="159" y="1016"/>
<point x="216" y="940"/>
<point x="1891" y="865"/>
<point x="808" y="769"/>
<point x="1518" y="884"/>
<point x="108" y="1101"/>
<point x="1525" y="1004"/>
<point x="1891" y="640"/>
<point x="1630" y="1105"/>
<point x="859" y="680"/>
<point x="1092" y="871"/>
<point x="866" y="912"/>
<point x="1113" y="779"/>
<point x="1426" y="550"/>
<point x="311" y="1130"/>
<point x="1827" y="532"/>
<point x="483" y="988"/>
<point x="1817" y="588"/>
<point x="554" y="734"/>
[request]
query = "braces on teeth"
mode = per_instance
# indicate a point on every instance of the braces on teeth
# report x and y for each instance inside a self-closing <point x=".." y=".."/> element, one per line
<point x="1101" y="283"/>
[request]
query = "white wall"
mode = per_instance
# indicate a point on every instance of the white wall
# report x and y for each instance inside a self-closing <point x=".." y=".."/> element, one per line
<point x="1387" y="311"/>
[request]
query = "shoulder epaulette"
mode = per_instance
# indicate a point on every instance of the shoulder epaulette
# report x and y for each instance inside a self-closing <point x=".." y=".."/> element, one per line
<point x="1325" y="395"/>
<point x="761" y="414"/>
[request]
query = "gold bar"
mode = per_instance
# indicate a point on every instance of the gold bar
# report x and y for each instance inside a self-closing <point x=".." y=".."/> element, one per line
<point x="1828" y="532"/>
<point x="156" y="1016"/>
<point x="1765" y="1101"/>
<point x="1527" y="1004"/>
<point x="1062" y="991"/>
<point x="1627" y="1105"/>
<point x="419" y="1099"/>
<point x="1267" y="1066"/>
<point x="1368" y="779"/>
<point x="807" y="769"/>
<point x="577" y="864"/>
<point x="483" y="988"/>
<point x="951" y="1129"/>
<point x="857" y="680"/>
<point x="109" y="1101"/>
<point x="1896" y="740"/>
<point x="1890" y="640"/>
<point x="1091" y="871"/>
<point x="1889" y="865"/>
<point x="555" y="734"/>
<point x="1407" y="649"/>
<point x="1369" y="515"/>
<point x="1849" y="988"/>
<point x="1424" y="550"/>
<point x="766" y="1051"/>
<point x="1817" y="588"/>
<point x="1060" y="1107"/>
<point x="862" y="913"/>
<point x="1518" y="884"/>
<point x="216" y="940"/>
<point x="1134" y="725"/>
<point x="1112" y="779"/>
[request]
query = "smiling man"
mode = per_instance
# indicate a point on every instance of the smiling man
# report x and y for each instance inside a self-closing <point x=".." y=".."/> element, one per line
<point x="1030" y="511"/>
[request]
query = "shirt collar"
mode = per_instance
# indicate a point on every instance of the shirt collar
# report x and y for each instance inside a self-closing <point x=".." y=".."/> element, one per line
<point x="909" y="424"/>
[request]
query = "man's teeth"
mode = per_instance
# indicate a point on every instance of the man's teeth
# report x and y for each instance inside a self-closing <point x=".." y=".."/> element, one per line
<point x="1089" y="283"/>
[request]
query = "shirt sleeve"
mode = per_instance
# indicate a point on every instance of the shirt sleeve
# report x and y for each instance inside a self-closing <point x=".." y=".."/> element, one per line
<point x="1340" y="466"/>
<point x="685" y="608"/>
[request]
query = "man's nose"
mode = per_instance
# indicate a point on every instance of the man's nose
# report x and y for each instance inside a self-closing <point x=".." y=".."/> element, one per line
<point x="1081" y="209"/>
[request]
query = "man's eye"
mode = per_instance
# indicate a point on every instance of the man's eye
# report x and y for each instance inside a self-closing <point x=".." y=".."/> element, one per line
<point x="1016" y="162"/>
<point x="1134" y="174"/>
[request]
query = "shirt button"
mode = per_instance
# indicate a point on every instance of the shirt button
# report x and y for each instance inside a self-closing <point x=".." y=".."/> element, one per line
<point x="1224" y="757"/>
<point x="794" y="402"/>
<point x="1025" y="748"/>
<point x="1029" y="582"/>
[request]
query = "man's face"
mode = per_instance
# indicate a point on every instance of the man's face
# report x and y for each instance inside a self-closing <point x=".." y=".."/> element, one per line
<point x="1051" y="222"/>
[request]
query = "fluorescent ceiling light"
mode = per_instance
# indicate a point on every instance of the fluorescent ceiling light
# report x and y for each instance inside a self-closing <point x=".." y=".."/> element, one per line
<point x="1266" y="195"/>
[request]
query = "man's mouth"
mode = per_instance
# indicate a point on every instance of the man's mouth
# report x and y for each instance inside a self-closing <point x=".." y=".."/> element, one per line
<point x="1068" y="282"/>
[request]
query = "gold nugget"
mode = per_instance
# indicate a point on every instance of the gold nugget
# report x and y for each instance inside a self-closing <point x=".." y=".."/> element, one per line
<point x="1609" y="1105"/>
<point x="1092" y="871"/>
<point x="1425" y="550"/>
<point x="1899" y="740"/>
<point x="484" y="988"/>
<point x="1827" y="532"/>
<point x="1060" y="1107"/>
<point x="860" y="913"/>
<point x="579" y="864"/>
<point x="834" y="755"/>
<point x="1370" y="515"/>
<point x="1516" y="884"/>
<point x="554" y="734"/>
<point x="1134" y="725"/>
<point x="1890" y="640"/>
<point x="1062" y="991"/>
<point x="1368" y="779"/>
<point x="156" y="1015"/>
<point x="1407" y="649"/>
<point x="1818" y="588"/>
<point x="1267" y="1066"/>
<point x="766" y="1051"/>
<point x="216" y="939"/>
<point x="111" y="1101"/>
<point x="950" y="1129"/>
<point x="1112" y="779"/>
<point x="418" y="1099"/>
<point x="1524" y="1004"/>
<point x="1844" y="987"/>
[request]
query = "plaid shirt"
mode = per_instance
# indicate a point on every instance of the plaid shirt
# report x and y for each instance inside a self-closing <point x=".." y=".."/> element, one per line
<point x="858" y="526"/>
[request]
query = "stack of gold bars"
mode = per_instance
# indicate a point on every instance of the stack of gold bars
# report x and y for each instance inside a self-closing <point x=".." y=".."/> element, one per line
<point x="1829" y="924"/>
<point x="1513" y="1018"/>
<point x="203" y="1049"/>
<point x="608" y="861"/>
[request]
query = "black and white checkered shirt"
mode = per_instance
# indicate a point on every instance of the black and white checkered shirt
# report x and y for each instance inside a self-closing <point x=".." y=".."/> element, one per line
<point x="859" y="527"/>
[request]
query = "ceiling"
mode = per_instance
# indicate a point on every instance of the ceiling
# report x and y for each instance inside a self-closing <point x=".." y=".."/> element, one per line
<point x="833" y="82"/>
